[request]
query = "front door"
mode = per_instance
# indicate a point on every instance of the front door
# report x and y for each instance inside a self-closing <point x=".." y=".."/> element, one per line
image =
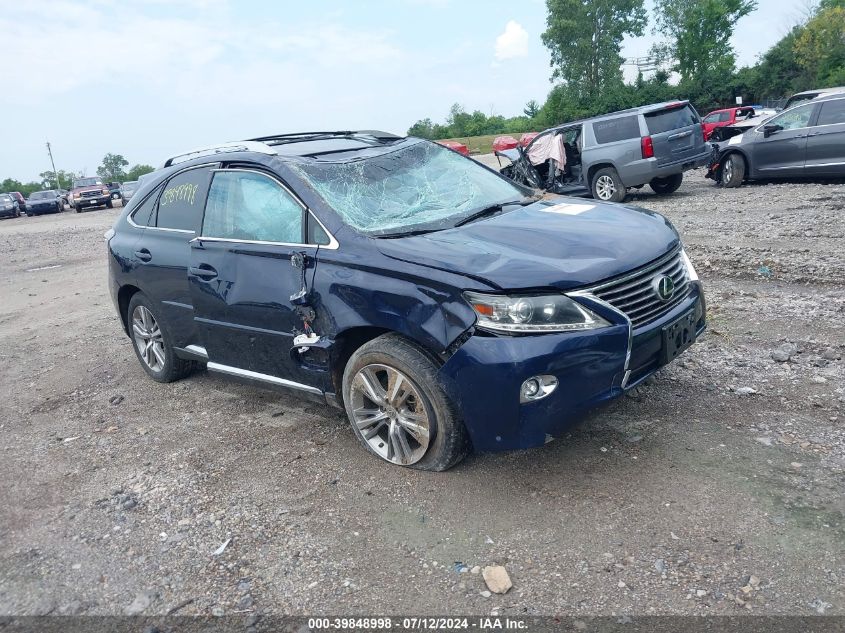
<point x="241" y="276"/>
<point x="826" y="141"/>
<point x="783" y="152"/>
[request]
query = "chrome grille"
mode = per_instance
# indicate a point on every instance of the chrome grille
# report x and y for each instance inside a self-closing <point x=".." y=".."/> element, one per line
<point x="634" y="294"/>
<point x="91" y="194"/>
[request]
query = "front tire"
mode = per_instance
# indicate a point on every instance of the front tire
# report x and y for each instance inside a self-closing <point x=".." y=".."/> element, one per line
<point x="607" y="186"/>
<point x="397" y="408"/>
<point x="109" y="204"/>
<point x="78" y="208"/>
<point x="733" y="171"/>
<point x="152" y="342"/>
<point x="663" y="186"/>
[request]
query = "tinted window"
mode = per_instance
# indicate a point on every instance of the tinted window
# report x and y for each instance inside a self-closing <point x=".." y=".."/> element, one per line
<point x="244" y="205"/>
<point x="794" y="119"/>
<point x="833" y="112"/>
<point x="143" y="214"/>
<point x="712" y="118"/>
<point x="670" y="119"/>
<point x="617" y="129"/>
<point x="181" y="201"/>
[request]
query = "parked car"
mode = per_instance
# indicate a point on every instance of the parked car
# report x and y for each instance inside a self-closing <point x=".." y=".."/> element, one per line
<point x="809" y="95"/>
<point x="49" y="201"/>
<point x="728" y="116"/>
<point x="9" y="206"/>
<point x="455" y="146"/>
<point x="607" y="155"/>
<point x="17" y="196"/>
<point x="527" y="137"/>
<point x="443" y="306"/>
<point x="128" y="189"/>
<point x="63" y="193"/>
<point x="90" y="192"/>
<point x="115" y="191"/>
<point x="501" y="143"/>
<point x="807" y="140"/>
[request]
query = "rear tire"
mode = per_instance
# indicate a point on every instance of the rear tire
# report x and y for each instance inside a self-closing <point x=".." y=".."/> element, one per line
<point x="607" y="186"/>
<point x="417" y="426"/>
<point x="152" y="342"/>
<point x="733" y="171"/>
<point x="663" y="186"/>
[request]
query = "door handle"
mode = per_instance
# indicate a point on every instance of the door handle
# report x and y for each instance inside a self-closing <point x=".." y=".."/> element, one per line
<point x="680" y="135"/>
<point x="144" y="255"/>
<point x="204" y="271"/>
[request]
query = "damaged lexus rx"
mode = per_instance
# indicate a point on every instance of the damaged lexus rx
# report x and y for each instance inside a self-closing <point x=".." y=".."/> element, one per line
<point x="443" y="306"/>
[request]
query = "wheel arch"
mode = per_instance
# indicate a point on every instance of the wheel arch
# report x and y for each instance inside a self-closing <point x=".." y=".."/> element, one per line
<point x="592" y="169"/>
<point x="738" y="152"/>
<point x="124" y="296"/>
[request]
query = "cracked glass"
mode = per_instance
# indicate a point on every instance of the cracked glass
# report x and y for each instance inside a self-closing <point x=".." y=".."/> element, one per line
<point x="423" y="186"/>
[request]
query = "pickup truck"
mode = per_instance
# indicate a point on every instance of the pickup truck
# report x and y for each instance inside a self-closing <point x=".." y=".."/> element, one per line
<point x="89" y="192"/>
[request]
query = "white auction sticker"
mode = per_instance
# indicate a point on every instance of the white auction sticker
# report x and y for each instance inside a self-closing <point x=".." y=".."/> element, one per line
<point x="569" y="209"/>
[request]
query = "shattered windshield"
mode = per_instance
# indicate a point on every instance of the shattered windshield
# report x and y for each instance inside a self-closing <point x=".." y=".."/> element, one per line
<point x="419" y="187"/>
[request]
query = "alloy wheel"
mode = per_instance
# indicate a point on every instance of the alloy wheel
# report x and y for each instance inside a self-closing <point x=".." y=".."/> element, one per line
<point x="148" y="338"/>
<point x="728" y="170"/>
<point x="605" y="188"/>
<point x="389" y="414"/>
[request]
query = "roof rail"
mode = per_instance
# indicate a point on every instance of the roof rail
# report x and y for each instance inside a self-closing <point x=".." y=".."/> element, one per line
<point x="237" y="146"/>
<point x="295" y="136"/>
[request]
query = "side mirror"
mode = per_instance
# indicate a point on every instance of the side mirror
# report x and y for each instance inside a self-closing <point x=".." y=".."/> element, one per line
<point x="768" y="130"/>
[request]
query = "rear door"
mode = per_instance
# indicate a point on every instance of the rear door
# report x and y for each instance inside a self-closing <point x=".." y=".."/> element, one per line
<point x="241" y="277"/>
<point x="783" y="152"/>
<point x="163" y="253"/>
<point x="676" y="133"/>
<point x="826" y="141"/>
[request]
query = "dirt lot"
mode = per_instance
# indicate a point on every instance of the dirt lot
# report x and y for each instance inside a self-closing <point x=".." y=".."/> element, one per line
<point x="717" y="488"/>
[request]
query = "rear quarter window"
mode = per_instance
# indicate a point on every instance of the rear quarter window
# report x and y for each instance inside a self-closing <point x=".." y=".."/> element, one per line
<point x="618" y="129"/>
<point x="832" y="112"/>
<point x="670" y="119"/>
<point x="143" y="213"/>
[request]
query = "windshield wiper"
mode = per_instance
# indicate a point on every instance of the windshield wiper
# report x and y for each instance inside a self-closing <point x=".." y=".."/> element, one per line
<point x="496" y="208"/>
<point x="387" y="236"/>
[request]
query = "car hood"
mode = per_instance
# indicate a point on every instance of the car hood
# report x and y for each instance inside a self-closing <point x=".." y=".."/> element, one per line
<point x="555" y="243"/>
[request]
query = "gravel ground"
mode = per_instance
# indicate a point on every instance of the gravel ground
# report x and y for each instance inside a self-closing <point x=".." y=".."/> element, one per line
<point x="714" y="489"/>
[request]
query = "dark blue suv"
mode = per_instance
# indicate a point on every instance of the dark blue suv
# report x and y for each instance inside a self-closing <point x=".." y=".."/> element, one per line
<point x="443" y="306"/>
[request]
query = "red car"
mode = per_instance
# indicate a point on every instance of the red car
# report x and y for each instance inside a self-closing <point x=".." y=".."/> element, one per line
<point x="527" y="137"/>
<point x="721" y="118"/>
<point x="501" y="143"/>
<point x="454" y="145"/>
<point x="18" y="196"/>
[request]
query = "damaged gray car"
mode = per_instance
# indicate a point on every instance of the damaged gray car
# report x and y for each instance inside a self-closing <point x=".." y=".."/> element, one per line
<point x="608" y="155"/>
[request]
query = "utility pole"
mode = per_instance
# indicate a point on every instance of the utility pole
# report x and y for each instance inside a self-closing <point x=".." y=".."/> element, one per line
<point x="55" y="173"/>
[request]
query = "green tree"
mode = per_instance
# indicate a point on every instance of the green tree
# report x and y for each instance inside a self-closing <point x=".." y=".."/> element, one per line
<point x="423" y="128"/>
<point x="699" y="33"/>
<point x="585" y="39"/>
<point x="112" y="168"/>
<point x="531" y="109"/>
<point x="48" y="179"/>
<point x="820" y="48"/>
<point x="136" y="171"/>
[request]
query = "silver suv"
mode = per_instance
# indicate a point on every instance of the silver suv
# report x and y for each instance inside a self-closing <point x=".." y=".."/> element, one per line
<point x="607" y="155"/>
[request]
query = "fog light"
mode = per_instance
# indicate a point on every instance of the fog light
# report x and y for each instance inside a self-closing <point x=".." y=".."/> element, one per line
<point x="537" y="387"/>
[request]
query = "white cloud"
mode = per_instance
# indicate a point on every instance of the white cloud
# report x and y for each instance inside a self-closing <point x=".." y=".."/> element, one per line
<point x="513" y="42"/>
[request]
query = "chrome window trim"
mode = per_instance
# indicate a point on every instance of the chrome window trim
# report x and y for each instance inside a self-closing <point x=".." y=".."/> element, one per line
<point x="163" y="186"/>
<point x="332" y="245"/>
<point x="825" y="164"/>
<point x="254" y="375"/>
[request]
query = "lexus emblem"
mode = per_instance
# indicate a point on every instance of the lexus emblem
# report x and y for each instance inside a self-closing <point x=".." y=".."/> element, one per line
<point x="664" y="287"/>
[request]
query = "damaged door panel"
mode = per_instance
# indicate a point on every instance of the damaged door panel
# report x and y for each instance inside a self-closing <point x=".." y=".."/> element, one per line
<point x="551" y="161"/>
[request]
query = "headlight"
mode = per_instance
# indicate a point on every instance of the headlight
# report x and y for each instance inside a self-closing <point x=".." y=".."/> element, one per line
<point x="532" y="313"/>
<point x="693" y="276"/>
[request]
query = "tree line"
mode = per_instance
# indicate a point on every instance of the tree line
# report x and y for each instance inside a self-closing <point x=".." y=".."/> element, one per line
<point x="112" y="169"/>
<point x="585" y="40"/>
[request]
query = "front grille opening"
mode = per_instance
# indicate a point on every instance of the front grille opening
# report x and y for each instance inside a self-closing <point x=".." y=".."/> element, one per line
<point x="636" y="296"/>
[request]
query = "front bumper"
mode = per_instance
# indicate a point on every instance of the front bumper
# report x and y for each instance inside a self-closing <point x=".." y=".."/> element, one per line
<point x="92" y="201"/>
<point x="484" y="375"/>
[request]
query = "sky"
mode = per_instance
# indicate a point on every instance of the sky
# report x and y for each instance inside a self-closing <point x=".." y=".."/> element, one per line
<point x="149" y="79"/>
